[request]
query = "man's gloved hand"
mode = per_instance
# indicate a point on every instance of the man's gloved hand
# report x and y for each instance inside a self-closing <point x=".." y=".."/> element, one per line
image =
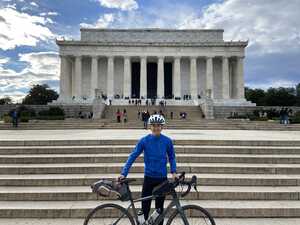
<point x="175" y="176"/>
<point x="121" y="177"/>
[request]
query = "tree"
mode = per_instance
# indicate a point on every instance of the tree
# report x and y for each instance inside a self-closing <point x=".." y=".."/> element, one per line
<point x="5" y="100"/>
<point x="40" y="95"/>
<point x="256" y="96"/>
<point x="280" y="97"/>
<point x="298" y="94"/>
<point x="298" y="90"/>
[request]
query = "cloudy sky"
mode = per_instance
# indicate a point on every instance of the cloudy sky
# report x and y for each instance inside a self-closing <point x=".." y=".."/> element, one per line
<point x="28" y="28"/>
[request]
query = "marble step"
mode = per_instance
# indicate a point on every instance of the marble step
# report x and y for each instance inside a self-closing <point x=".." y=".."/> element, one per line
<point x="122" y="157"/>
<point x="189" y="122"/>
<point x="192" y="149"/>
<point x="218" y="208"/>
<point x="244" y="168"/>
<point x="203" y="179"/>
<point x="83" y="193"/>
<point x="121" y="141"/>
<point x="219" y="221"/>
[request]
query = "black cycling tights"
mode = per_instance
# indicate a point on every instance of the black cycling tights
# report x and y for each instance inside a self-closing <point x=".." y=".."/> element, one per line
<point x="149" y="184"/>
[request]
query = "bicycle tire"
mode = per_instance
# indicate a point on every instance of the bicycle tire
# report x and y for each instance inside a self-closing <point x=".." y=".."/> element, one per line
<point x="193" y="207"/>
<point x="109" y="205"/>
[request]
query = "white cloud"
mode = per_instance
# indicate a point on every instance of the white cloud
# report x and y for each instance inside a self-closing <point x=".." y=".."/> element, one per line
<point x="4" y="60"/>
<point x="120" y="4"/>
<point x="103" y="22"/>
<point x="41" y="63"/>
<point x="271" y="26"/>
<point x="273" y="84"/>
<point x="19" y="29"/>
<point x="41" y="67"/>
<point x="49" y="14"/>
<point x="34" y="4"/>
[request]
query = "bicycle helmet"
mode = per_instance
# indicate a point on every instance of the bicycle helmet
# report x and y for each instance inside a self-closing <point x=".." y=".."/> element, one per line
<point x="156" y="119"/>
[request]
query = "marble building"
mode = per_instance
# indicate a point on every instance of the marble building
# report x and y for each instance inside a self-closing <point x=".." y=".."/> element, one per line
<point x="120" y="64"/>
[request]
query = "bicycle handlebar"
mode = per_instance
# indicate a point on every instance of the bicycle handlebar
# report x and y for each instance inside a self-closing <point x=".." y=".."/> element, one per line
<point x="190" y="184"/>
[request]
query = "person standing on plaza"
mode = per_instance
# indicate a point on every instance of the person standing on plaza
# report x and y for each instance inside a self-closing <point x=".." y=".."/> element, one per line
<point x="15" y="118"/>
<point x="124" y="116"/>
<point x="145" y="119"/>
<point x="139" y="114"/>
<point x="118" y="115"/>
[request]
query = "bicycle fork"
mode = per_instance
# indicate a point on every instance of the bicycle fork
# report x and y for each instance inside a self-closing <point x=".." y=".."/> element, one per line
<point x="181" y="212"/>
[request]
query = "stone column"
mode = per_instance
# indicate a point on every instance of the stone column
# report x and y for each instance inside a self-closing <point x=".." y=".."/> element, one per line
<point x="176" y="78"/>
<point x="78" y="77"/>
<point x="209" y="77"/>
<point x="143" y="77"/>
<point x="160" y="78"/>
<point x="110" y="77"/>
<point x="225" y="78"/>
<point x="63" y="76"/>
<point x="69" y="79"/>
<point x="240" y="78"/>
<point x="193" y="78"/>
<point x="127" y="78"/>
<point x="94" y="76"/>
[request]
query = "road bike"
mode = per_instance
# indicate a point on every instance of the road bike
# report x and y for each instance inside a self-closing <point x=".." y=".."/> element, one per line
<point x="174" y="213"/>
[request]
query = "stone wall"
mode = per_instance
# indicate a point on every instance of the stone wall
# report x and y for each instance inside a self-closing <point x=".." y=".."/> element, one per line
<point x="151" y="35"/>
<point x="71" y="111"/>
<point x="225" y="111"/>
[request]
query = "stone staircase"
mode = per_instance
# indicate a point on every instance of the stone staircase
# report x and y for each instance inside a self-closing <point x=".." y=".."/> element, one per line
<point x="237" y="179"/>
<point x="194" y="121"/>
<point x="193" y="112"/>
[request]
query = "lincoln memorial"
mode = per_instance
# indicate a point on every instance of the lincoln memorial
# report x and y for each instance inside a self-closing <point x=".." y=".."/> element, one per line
<point x="179" y="66"/>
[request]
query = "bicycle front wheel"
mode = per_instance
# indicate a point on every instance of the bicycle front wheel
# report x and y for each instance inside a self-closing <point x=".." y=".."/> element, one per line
<point x="108" y="214"/>
<point x="194" y="214"/>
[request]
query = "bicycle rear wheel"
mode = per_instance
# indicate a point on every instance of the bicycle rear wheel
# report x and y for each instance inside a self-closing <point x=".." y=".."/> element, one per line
<point x="109" y="214"/>
<point x="195" y="215"/>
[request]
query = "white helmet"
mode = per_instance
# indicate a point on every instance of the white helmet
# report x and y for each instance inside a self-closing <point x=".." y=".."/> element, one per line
<point x="156" y="119"/>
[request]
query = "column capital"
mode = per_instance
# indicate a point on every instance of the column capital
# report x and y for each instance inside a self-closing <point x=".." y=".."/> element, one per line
<point x="208" y="57"/>
<point x="177" y="57"/>
<point x="95" y="56"/>
<point x="161" y="57"/>
<point x="193" y="57"/>
<point x="127" y="57"/>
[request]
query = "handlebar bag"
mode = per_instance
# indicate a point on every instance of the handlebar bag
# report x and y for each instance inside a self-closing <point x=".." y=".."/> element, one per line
<point x="162" y="189"/>
<point x="107" y="188"/>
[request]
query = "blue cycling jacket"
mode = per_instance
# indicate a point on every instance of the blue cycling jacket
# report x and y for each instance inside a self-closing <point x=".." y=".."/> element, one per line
<point x="157" y="150"/>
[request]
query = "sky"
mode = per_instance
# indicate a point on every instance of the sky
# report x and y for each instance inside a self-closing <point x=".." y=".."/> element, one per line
<point x="28" y="29"/>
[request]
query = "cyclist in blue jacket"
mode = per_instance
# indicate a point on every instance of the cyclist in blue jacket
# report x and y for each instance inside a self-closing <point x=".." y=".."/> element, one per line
<point x="157" y="149"/>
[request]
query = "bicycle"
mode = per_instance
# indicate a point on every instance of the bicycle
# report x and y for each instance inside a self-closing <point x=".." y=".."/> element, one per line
<point x="181" y="215"/>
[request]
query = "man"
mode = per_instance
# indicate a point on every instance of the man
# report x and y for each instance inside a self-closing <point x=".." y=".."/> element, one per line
<point x="156" y="148"/>
<point x="15" y="118"/>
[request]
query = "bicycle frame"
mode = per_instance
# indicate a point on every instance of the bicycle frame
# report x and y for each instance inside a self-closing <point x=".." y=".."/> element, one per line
<point x="175" y="202"/>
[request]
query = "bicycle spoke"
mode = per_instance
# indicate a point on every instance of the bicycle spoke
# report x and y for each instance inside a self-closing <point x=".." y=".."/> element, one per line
<point x="108" y="221"/>
<point x="194" y="216"/>
<point x="109" y="215"/>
